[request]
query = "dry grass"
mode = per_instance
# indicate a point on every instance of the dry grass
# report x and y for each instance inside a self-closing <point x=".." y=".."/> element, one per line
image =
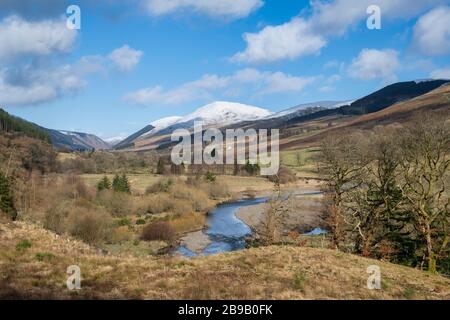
<point x="188" y="222"/>
<point x="262" y="273"/>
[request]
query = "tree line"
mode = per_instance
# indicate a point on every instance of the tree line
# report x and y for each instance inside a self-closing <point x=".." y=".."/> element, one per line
<point x="387" y="192"/>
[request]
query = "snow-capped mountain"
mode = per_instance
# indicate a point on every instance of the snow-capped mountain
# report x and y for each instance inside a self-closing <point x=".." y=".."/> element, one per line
<point x="306" y="108"/>
<point x="221" y="112"/>
<point x="217" y="113"/>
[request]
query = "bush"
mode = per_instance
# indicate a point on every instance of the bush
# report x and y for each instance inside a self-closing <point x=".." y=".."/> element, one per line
<point x="124" y="222"/>
<point x="284" y="175"/>
<point x="156" y="203"/>
<point x="161" y="231"/>
<point x="163" y="185"/>
<point x="24" y="244"/>
<point x="118" y="204"/>
<point x="44" y="256"/>
<point x="210" y="177"/>
<point x="218" y="191"/>
<point x="182" y="206"/>
<point x="140" y="222"/>
<point x="55" y="217"/>
<point x="89" y="226"/>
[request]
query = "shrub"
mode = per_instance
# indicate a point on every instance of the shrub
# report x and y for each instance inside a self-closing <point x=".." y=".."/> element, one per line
<point x="156" y="203"/>
<point x="218" y="191"/>
<point x="118" y="204"/>
<point x="124" y="222"/>
<point x="55" y="217"/>
<point x="24" y="244"/>
<point x="163" y="185"/>
<point x="158" y="231"/>
<point x="182" y="206"/>
<point x="285" y="175"/>
<point x="44" y="256"/>
<point x="140" y="221"/>
<point x="89" y="226"/>
<point x="210" y="177"/>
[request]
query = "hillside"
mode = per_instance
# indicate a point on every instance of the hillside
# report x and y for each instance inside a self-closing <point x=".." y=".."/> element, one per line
<point x="76" y="141"/>
<point x="10" y="123"/>
<point x="309" y="132"/>
<point x="276" y="272"/>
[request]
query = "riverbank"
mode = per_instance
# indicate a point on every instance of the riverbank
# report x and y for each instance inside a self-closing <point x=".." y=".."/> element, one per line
<point x="276" y="272"/>
<point x="303" y="212"/>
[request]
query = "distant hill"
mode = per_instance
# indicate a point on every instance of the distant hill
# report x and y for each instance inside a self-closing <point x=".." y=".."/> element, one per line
<point x="76" y="141"/>
<point x="63" y="140"/>
<point x="10" y="123"/>
<point x="378" y="100"/>
<point x="309" y="132"/>
<point x="128" y="141"/>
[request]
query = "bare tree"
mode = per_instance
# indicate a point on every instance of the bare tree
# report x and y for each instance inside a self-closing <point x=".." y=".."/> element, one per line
<point x="341" y="165"/>
<point x="425" y="172"/>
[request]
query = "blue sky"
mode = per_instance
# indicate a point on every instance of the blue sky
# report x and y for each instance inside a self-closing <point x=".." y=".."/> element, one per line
<point x="135" y="61"/>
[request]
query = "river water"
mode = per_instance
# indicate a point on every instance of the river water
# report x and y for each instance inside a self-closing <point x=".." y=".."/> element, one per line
<point x="227" y="233"/>
<point x="224" y="229"/>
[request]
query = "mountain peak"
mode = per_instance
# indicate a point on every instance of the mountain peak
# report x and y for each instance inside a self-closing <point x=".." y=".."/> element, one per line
<point x="223" y="112"/>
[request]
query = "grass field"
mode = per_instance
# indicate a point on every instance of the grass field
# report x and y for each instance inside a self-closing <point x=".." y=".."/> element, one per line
<point x="140" y="182"/>
<point x="301" y="161"/>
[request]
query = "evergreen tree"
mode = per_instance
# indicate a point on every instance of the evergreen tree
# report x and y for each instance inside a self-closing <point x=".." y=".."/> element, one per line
<point x="121" y="183"/>
<point x="116" y="183"/>
<point x="160" y="169"/>
<point x="104" y="184"/>
<point x="125" y="184"/>
<point x="6" y="197"/>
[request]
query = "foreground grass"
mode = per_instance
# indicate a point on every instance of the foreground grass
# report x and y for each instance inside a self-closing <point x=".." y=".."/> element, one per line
<point x="38" y="270"/>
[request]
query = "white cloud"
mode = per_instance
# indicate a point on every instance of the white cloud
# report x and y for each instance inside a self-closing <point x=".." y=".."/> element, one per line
<point x="125" y="58"/>
<point x="308" y="34"/>
<point x="432" y="32"/>
<point x="30" y="86"/>
<point x="19" y="37"/>
<point x="375" y="64"/>
<point x="443" y="73"/>
<point x="287" y="41"/>
<point x="250" y="81"/>
<point x="214" y="8"/>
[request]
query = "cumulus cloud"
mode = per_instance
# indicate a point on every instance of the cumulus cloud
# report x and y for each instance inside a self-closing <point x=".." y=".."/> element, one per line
<point x="214" y="8"/>
<point x="375" y="64"/>
<point x="310" y="32"/>
<point x="19" y="37"/>
<point x="432" y="32"/>
<point x="28" y="85"/>
<point x="207" y="87"/>
<point x="125" y="58"/>
<point x="443" y="73"/>
<point x="287" y="41"/>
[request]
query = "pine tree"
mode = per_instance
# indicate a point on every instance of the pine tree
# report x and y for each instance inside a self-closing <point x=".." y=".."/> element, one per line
<point x="125" y="184"/>
<point x="6" y="197"/>
<point x="121" y="183"/>
<point x="104" y="184"/>
<point x="160" y="169"/>
<point x="116" y="183"/>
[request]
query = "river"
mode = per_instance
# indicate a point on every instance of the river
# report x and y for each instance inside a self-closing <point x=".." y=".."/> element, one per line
<point x="225" y="231"/>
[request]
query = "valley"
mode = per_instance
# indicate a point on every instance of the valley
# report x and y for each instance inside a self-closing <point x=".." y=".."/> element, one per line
<point x="141" y="227"/>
